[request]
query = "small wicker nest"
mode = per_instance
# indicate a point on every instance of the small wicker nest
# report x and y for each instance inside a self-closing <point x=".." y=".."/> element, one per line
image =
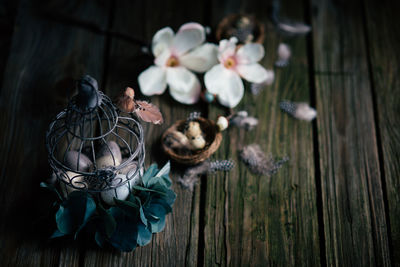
<point x="244" y="27"/>
<point x="211" y="134"/>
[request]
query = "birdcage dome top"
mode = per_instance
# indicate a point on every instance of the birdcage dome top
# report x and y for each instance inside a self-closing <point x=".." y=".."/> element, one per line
<point x="92" y="145"/>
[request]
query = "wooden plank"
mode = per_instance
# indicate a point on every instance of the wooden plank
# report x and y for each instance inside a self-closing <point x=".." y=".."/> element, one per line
<point x="353" y="207"/>
<point x="44" y="60"/>
<point x="177" y="244"/>
<point x="383" y="43"/>
<point x="255" y="220"/>
<point x="8" y="12"/>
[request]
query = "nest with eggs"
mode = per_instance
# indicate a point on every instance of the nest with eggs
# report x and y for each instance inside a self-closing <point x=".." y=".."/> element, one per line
<point x="190" y="142"/>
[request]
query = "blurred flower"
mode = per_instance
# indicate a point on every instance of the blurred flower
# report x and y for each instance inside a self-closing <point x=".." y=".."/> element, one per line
<point x="224" y="79"/>
<point x="174" y="55"/>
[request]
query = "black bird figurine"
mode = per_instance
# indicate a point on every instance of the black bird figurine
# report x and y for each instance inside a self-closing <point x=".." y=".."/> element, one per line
<point x="89" y="96"/>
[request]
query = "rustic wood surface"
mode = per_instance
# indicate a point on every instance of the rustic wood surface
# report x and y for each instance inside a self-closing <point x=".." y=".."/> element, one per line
<point x="335" y="203"/>
<point x="355" y="225"/>
<point x="255" y="220"/>
<point x="382" y="43"/>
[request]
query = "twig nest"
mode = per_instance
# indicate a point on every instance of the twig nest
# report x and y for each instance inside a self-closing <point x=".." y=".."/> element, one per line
<point x="205" y="143"/>
<point x="246" y="28"/>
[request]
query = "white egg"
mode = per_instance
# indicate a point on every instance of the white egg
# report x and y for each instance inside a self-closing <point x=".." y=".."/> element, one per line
<point x="76" y="179"/>
<point x="106" y="161"/>
<point x="71" y="161"/>
<point x="120" y="192"/>
<point x="222" y="123"/>
<point x="110" y="148"/>
<point x="130" y="172"/>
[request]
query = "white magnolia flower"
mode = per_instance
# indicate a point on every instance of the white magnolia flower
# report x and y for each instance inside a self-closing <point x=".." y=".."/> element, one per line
<point x="174" y="55"/>
<point x="224" y="79"/>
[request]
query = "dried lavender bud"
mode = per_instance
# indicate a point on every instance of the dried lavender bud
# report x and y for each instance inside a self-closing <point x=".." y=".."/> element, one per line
<point x="253" y="156"/>
<point x="301" y="111"/>
<point x="288" y="107"/>
<point x="221" y="165"/>
<point x="193" y="116"/>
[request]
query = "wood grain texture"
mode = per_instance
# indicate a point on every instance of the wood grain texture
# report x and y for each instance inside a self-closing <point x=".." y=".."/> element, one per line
<point x="8" y="12"/>
<point x="383" y="43"/>
<point x="44" y="60"/>
<point x="353" y="205"/>
<point x="177" y="244"/>
<point x="256" y="220"/>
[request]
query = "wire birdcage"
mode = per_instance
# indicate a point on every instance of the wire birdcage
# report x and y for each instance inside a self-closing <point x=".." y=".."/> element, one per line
<point x="93" y="146"/>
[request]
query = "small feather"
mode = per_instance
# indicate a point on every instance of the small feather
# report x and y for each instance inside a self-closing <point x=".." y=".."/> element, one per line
<point x="126" y="104"/>
<point x="243" y="120"/>
<point x="148" y="112"/>
<point x="129" y="92"/>
<point x="253" y="156"/>
<point x="284" y="54"/>
<point x="191" y="175"/>
<point x="295" y="28"/>
<point x="301" y="111"/>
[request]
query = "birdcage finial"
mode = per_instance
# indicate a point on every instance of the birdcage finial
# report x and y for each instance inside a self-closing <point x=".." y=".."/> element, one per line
<point x="89" y="96"/>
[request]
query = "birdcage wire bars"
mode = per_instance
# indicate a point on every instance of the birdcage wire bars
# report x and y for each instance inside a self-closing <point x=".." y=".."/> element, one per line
<point x="77" y="136"/>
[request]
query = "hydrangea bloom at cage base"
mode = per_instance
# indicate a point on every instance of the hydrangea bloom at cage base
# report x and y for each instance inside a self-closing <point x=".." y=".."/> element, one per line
<point x="97" y="156"/>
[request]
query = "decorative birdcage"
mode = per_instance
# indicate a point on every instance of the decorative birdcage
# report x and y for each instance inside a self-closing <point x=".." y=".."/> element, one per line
<point x="93" y="146"/>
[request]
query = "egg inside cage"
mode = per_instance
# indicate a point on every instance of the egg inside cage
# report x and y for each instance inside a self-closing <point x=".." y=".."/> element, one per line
<point x="94" y="147"/>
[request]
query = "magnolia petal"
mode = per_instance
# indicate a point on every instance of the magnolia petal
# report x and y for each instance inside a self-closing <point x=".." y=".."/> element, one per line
<point x="250" y="53"/>
<point x="187" y="98"/>
<point x="226" y="49"/>
<point x="254" y="73"/>
<point x="162" y="58"/>
<point x="226" y="84"/>
<point x="189" y="36"/>
<point x="184" y="86"/>
<point x="200" y="59"/>
<point x="162" y="40"/>
<point x="152" y="81"/>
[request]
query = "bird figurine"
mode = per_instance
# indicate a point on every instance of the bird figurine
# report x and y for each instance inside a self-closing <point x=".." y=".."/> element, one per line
<point x="143" y="109"/>
<point x="89" y="96"/>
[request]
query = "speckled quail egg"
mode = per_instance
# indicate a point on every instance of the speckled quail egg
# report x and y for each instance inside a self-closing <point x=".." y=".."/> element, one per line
<point x="197" y="142"/>
<point x="193" y="129"/>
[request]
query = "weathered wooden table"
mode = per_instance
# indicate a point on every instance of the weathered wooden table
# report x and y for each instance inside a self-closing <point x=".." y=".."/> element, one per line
<point x="336" y="203"/>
